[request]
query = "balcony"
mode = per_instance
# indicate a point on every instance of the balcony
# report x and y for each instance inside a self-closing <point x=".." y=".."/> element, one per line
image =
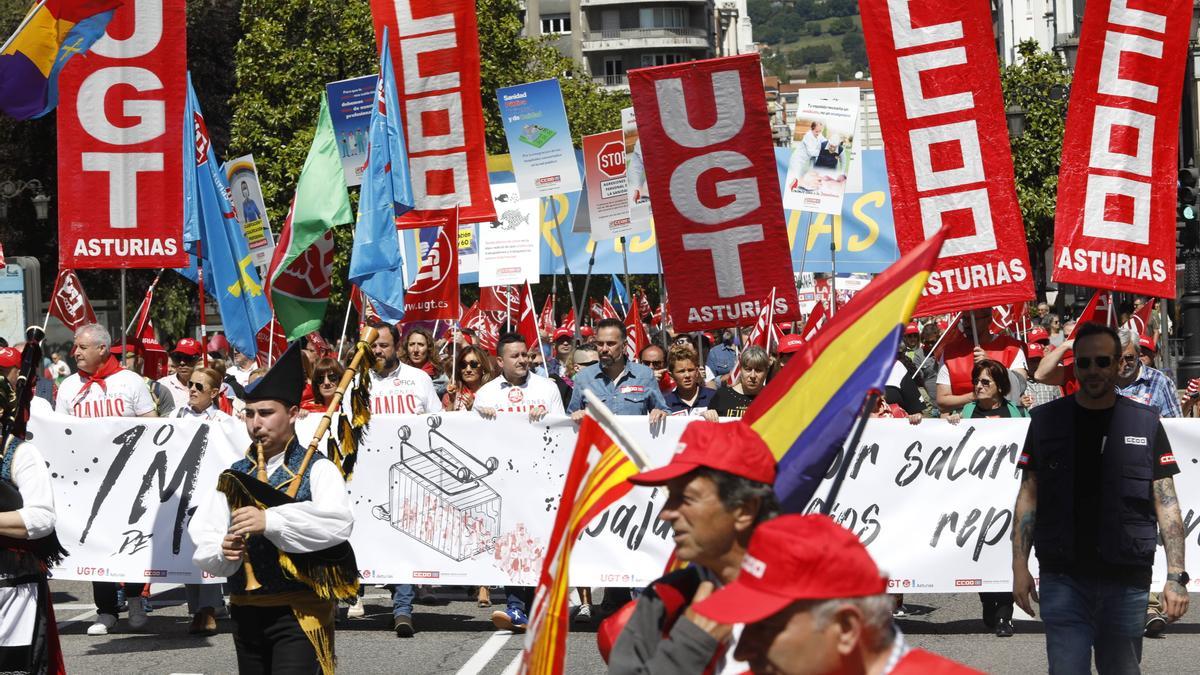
<point x="613" y="82"/>
<point x="645" y="38"/>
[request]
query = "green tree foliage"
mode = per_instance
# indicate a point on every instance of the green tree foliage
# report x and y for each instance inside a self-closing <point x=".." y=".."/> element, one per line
<point x="1037" y="83"/>
<point x="785" y="22"/>
<point x="854" y="50"/>
<point x="813" y="28"/>
<point x="842" y="25"/>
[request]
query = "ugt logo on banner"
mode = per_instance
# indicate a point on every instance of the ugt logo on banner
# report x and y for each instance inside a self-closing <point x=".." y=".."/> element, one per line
<point x="710" y="164"/>
<point x="1115" y="222"/>
<point x="937" y="85"/>
<point x="119" y="137"/>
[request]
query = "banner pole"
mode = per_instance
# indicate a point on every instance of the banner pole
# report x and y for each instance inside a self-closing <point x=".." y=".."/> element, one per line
<point x="1112" y="311"/>
<point x="123" y="337"/>
<point x="662" y="300"/>
<point x="345" y="325"/>
<point x="833" y="299"/>
<point x="628" y="286"/>
<point x="271" y="347"/>
<point x="974" y="330"/>
<point x="454" y="354"/>
<point x="869" y="403"/>
<point x="933" y="349"/>
<point x="1164" y="337"/>
<point x="153" y="285"/>
<point x="200" y="285"/>
<point x="562" y="247"/>
<point x="587" y="281"/>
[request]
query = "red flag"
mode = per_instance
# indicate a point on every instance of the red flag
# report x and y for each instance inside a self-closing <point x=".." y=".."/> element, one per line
<point x="69" y="302"/>
<point x="595" y="310"/>
<point x="643" y="305"/>
<point x="271" y="333"/>
<point x="1114" y="221"/>
<point x="2" y="261"/>
<point x="569" y="321"/>
<point x="1139" y="322"/>
<point x="155" y="362"/>
<point x="764" y="333"/>
<point x="546" y="320"/>
<point x="607" y="310"/>
<point x="497" y="298"/>
<point x="1096" y="312"/>
<point x="636" y="338"/>
<point x="816" y="319"/>
<point x="433" y="296"/>
<point x="1005" y="317"/>
<point x="527" y="319"/>
<point x="486" y="329"/>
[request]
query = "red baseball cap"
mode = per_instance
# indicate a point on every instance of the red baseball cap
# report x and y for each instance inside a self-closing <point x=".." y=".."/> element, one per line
<point x="912" y="329"/>
<point x="1147" y="342"/>
<point x="562" y="333"/>
<point x="943" y="325"/>
<point x="9" y="357"/>
<point x="1035" y="350"/>
<point x="790" y="343"/>
<point x="794" y="558"/>
<point x="1037" y="335"/>
<point x="732" y="447"/>
<point x="187" y="346"/>
<point x="586" y="331"/>
<point x="218" y="344"/>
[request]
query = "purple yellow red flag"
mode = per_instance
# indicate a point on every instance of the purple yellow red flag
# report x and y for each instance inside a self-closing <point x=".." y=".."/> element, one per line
<point x="52" y="32"/>
<point x="596" y="479"/>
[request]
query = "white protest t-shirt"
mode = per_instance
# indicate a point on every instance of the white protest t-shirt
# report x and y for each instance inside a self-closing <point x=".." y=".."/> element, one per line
<point x="404" y="391"/>
<point x="537" y="392"/>
<point x="122" y="394"/>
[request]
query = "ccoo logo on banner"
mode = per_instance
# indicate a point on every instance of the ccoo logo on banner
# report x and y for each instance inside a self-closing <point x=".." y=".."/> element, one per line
<point x="119" y="138"/>
<point x="937" y="85"/>
<point x="1114" y="227"/>
<point x="710" y="165"/>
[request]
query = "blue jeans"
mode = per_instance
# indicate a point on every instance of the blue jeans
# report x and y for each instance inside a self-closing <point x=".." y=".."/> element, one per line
<point x="1081" y="614"/>
<point x="402" y="599"/>
<point x="517" y="597"/>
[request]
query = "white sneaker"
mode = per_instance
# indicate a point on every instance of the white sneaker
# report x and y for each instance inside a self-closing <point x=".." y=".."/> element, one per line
<point x="356" y="611"/>
<point x="137" y="614"/>
<point x="104" y="623"/>
<point x="584" y="615"/>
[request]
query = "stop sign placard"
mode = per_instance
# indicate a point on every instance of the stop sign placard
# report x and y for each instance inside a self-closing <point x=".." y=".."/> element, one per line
<point x="611" y="159"/>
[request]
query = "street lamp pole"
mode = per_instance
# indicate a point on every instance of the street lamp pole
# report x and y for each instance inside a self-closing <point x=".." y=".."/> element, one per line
<point x="11" y="189"/>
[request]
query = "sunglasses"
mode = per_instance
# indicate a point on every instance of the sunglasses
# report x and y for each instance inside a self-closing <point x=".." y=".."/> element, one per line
<point x="653" y="364"/>
<point x="1085" y="362"/>
<point x="985" y="382"/>
<point x="584" y="364"/>
<point x="1129" y="358"/>
<point x="327" y="377"/>
<point x="198" y="386"/>
<point x="182" y="360"/>
<point x="473" y="365"/>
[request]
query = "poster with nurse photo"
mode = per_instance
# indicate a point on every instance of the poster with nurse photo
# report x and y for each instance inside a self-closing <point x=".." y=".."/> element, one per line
<point x="823" y="149"/>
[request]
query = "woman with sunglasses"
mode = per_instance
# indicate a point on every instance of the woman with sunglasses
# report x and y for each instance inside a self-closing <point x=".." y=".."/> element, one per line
<point x="992" y="385"/>
<point x="472" y="370"/>
<point x="326" y="374"/>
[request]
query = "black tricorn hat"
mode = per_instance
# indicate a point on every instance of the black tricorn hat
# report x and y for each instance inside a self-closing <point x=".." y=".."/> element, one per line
<point x="284" y="382"/>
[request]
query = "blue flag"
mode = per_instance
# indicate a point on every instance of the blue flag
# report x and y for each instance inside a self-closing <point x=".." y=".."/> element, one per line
<point x="376" y="266"/>
<point x="618" y="296"/>
<point x="219" y="243"/>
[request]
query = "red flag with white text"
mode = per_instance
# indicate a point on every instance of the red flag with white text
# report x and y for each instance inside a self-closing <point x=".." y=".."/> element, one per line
<point x="764" y="334"/>
<point x="949" y="163"/>
<point x="569" y="321"/>
<point x="1005" y="317"/>
<point x="607" y="311"/>
<point x="271" y="342"/>
<point x="1096" y="311"/>
<point x="1114" y="225"/>
<point x="816" y="319"/>
<point x="155" y="361"/>
<point x="433" y="296"/>
<point x="546" y="320"/>
<point x="69" y="302"/>
<point x="636" y="338"/>
<point x="709" y="158"/>
<point x="526" y="319"/>
<point x="435" y="53"/>
<point x="1139" y="321"/>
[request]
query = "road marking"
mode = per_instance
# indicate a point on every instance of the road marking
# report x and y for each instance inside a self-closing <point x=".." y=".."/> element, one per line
<point x="513" y="665"/>
<point x="486" y="653"/>
<point x="166" y="588"/>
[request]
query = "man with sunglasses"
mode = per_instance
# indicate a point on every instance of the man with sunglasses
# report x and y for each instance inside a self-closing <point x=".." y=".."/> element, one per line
<point x="1096" y="491"/>
<point x="185" y="355"/>
<point x="1142" y="383"/>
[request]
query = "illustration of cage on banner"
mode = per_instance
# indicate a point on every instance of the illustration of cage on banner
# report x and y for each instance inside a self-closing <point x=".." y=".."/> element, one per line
<point x="438" y="496"/>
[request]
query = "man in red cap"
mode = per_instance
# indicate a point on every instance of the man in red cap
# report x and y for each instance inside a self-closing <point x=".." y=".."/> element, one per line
<point x="185" y="355"/>
<point x="718" y="491"/>
<point x="1147" y="350"/>
<point x="813" y="601"/>
<point x="789" y="345"/>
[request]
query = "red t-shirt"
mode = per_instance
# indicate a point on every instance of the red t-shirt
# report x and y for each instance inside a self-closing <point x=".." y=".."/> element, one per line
<point x="921" y="662"/>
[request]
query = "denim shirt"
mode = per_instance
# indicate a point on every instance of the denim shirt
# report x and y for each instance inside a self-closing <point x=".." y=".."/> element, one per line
<point x="634" y="392"/>
<point x="720" y="359"/>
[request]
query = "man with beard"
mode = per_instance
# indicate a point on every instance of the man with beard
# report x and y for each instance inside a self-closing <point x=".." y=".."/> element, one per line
<point x="718" y="491"/>
<point x="627" y="388"/>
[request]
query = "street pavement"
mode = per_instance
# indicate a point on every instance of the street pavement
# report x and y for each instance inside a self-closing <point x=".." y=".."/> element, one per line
<point x="455" y="636"/>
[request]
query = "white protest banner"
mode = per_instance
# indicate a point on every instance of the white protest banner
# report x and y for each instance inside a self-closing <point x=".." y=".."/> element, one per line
<point x="637" y="188"/>
<point x="509" y="250"/>
<point x="823" y="150"/>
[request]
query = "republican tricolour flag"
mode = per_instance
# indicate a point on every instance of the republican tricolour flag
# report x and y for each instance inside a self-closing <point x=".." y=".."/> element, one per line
<point x="806" y="411"/>
<point x="597" y="478"/>
<point x="375" y="263"/>
<point x="51" y="33"/>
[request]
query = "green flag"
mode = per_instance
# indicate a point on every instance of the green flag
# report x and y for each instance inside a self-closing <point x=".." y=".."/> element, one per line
<point x="302" y="266"/>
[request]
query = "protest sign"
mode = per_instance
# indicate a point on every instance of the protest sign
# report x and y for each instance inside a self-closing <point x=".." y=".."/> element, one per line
<point x="120" y="143"/>
<point x="247" y="198"/>
<point x="350" y="111"/>
<point x="823" y="143"/>
<point x="710" y="165"/>
<point x="607" y="193"/>
<point x="508" y="247"/>
<point x="539" y="139"/>
<point x="937" y="88"/>
<point x="637" y="188"/>
<point x="1114" y="225"/>
<point x="435" y="53"/>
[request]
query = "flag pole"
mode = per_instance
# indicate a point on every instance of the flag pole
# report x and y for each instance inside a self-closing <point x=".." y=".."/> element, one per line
<point x="662" y="300"/>
<point x="13" y="37"/>
<point x="562" y="247"/>
<point x="123" y="337"/>
<point x="153" y="285"/>
<point x="625" y="262"/>
<point x="345" y="325"/>
<point x="833" y="299"/>
<point x="974" y="330"/>
<point x="933" y="349"/>
<point x="200" y="284"/>
<point x="869" y="403"/>
<point x="587" y="281"/>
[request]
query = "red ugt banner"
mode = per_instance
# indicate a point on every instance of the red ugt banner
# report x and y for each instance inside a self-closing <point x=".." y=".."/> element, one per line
<point x="120" y="143"/>
<point x="710" y="163"/>
<point x="434" y="294"/>
<point x="1114" y="227"/>
<point x="435" y="52"/>
<point x="937" y="86"/>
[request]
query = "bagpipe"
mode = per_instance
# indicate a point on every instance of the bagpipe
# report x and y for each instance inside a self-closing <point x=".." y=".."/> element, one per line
<point x="331" y="573"/>
<point x="14" y="420"/>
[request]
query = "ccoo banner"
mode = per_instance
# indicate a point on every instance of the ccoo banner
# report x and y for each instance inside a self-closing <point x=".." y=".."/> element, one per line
<point x="120" y="143"/>
<point x="435" y="51"/>
<point x="937" y="88"/>
<point x="1114" y="226"/>
<point x="709" y="161"/>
